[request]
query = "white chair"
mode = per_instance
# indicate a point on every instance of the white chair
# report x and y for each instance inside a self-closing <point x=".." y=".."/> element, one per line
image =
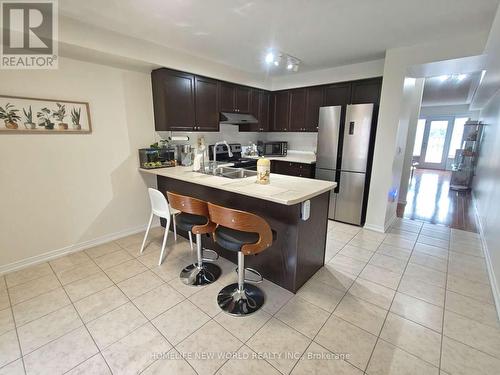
<point x="161" y="208"/>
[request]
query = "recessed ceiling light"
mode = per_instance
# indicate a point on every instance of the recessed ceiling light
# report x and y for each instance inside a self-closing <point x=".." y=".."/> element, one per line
<point x="289" y="66"/>
<point x="443" y="78"/>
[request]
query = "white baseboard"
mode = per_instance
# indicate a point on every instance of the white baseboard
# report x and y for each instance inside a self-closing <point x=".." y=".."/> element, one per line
<point x="380" y="228"/>
<point x="50" y="255"/>
<point x="376" y="228"/>
<point x="493" y="280"/>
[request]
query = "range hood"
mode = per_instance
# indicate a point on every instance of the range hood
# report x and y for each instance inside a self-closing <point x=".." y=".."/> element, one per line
<point x="237" y="118"/>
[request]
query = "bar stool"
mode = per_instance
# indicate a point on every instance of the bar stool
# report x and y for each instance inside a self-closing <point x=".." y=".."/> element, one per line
<point x="194" y="218"/>
<point x="247" y="234"/>
<point x="160" y="208"/>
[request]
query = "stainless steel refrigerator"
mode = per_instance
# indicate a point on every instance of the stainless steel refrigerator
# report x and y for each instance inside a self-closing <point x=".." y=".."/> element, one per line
<point x="342" y="156"/>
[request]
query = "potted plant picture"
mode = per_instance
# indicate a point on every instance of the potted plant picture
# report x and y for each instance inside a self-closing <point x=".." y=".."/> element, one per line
<point x="29" y="124"/>
<point x="44" y="116"/>
<point x="9" y="116"/>
<point x="59" y="115"/>
<point x="75" y="118"/>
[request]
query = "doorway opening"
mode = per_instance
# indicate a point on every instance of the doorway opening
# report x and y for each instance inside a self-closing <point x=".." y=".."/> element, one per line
<point x="441" y="130"/>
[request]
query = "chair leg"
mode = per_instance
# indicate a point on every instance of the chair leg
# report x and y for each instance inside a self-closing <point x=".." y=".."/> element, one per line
<point x="164" y="244"/>
<point x="147" y="232"/>
<point x="175" y="228"/>
<point x="190" y="239"/>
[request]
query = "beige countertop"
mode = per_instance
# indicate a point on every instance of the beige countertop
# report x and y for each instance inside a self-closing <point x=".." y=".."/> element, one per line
<point x="287" y="190"/>
<point x="293" y="157"/>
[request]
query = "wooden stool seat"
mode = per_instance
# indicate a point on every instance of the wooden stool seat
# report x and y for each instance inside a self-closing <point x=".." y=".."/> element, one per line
<point x="194" y="218"/>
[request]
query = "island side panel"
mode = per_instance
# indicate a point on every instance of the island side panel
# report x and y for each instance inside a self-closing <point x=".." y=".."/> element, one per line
<point x="278" y="263"/>
<point x="312" y="240"/>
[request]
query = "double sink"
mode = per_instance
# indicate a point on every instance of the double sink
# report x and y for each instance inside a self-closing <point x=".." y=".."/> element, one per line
<point x="230" y="172"/>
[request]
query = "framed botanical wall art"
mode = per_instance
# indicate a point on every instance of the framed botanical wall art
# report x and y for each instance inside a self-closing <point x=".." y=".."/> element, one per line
<point x="34" y="115"/>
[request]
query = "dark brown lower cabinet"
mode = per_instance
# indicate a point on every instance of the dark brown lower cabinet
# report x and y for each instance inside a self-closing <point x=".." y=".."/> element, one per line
<point x="293" y="169"/>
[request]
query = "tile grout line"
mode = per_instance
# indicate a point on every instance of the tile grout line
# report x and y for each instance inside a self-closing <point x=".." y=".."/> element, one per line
<point x="84" y="325"/>
<point x="340" y="301"/>
<point x="17" y="333"/>
<point x="444" y="307"/>
<point x="389" y="309"/>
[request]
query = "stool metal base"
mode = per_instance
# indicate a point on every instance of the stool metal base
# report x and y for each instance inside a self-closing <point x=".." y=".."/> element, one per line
<point x="240" y="303"/>
<point x="198" y="276"/>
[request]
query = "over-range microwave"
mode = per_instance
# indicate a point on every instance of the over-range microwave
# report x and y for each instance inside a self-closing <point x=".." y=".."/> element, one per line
<point x="275" y="148"/>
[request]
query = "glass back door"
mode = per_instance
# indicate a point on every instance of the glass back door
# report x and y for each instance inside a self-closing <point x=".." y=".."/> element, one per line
<point x="435" y="143"/>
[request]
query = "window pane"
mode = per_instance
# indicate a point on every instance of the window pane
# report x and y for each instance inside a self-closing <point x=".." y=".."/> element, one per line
<point x="419" y="137"/>
<point x="456" y="138"/>
<point x="437" y="139"/>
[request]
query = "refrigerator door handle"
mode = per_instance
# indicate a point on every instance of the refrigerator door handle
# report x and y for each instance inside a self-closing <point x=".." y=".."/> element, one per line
<point x="337" y="180"/>
<point x="351" y="128"/>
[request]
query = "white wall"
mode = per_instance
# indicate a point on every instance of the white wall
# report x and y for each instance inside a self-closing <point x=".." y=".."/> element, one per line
<point x="59" y="190"/>
<point x="487" y="188"/>
<point x="413" y="115"/>
<point x="351" y="72"/>
<point x="389" y="143"/>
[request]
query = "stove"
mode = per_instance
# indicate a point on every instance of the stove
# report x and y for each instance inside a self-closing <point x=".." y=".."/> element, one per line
<point x="238" y="161"/>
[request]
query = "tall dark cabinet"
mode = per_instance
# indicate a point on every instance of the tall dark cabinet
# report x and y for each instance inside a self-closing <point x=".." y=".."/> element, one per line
<point x="206" y="104"/>
<point x="259" y="108"/>
<point x="315" y="97"/>
<point x="297" y="121"/>
<point x="173" y="100"/>
<point x="280" y="104"/>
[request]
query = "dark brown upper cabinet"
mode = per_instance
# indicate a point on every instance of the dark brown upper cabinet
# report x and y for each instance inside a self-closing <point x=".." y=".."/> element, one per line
<point x="366" y="91"/>
<point x="265" y="110"/>
<point x="297" y="110"/>
<point x="281" y="110"/>
<point x="337" y="94"/>
<point x="260" y="110"/>
<point x="315" y="97"/>
<point x="242" y="99"/>
<point x="173" y="100"/>
<point x="187" y="102"/>
<point x="234" y="98"/>
<point x="206" y="104"/>
<point x="226" y="95"/>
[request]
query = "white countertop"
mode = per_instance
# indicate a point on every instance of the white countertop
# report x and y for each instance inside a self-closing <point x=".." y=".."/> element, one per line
<point x="287" y="190"/>
<point x="293" y="157"/>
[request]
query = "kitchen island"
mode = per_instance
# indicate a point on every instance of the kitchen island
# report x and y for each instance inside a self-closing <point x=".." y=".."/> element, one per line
<point x="299" y="248"/>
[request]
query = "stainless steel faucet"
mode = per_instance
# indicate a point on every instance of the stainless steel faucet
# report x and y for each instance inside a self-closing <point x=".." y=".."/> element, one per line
<point x="215" y="151"/>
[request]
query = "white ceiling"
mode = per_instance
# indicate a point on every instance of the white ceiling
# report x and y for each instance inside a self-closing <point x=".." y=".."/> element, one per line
<point x="439" y="91"/>
<point x="322" y="33"/>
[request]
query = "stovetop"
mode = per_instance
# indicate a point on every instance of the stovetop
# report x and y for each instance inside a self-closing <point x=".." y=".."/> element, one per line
<point x="223" y="156"/>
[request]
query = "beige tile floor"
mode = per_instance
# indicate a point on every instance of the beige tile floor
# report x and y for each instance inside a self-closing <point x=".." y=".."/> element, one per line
<point x="413" y="301"/>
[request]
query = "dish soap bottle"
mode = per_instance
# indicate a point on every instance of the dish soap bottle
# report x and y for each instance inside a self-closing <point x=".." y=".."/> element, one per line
<point x="263" y="171"/>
